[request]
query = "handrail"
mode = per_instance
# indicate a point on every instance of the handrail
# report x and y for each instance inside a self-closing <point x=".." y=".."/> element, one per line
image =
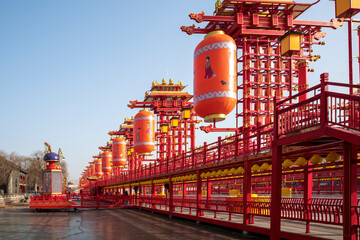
<point x="304" y="115"/>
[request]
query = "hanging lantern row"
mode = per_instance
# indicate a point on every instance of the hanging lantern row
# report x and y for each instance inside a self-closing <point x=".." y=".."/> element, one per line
<point x="315" y="159"/>
<point x="164" y="180"/>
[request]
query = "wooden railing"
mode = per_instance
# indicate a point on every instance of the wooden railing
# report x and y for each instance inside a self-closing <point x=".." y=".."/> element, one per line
<point x="323" y="108"/>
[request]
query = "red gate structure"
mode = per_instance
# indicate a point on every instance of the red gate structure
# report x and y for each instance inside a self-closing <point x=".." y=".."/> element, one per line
<point x="288" y="137"/>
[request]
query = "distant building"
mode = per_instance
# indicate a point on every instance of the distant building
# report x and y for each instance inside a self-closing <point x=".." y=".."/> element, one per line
<point x="12" y="178"/>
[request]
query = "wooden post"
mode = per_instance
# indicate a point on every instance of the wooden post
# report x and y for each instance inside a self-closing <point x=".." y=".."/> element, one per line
<point x="198" y="193"/>
<point x="247" y="191"/>
<point x="275" y="207"/>
<point x="171" y="194"/>
<point x="323" y="100"/>
<point x="308" y="186"/>
<point x="350" y="192"/>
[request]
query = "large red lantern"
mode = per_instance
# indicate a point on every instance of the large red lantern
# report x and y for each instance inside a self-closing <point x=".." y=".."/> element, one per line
<point x="92" y="169"/>
<point x="98" y="166"/>
<point x="215" y="76"/>
<point x="106" y="162"/>
<point x="144" y="132"/>
<point x="119" y="152"/>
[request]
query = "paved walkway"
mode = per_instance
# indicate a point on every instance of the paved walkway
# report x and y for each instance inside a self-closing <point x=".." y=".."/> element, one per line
<point x="316" y="229"/>
<point x="120" y="224"/>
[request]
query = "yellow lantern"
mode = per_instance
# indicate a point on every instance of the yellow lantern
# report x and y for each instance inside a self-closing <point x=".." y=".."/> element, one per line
<point x="174" y="122"/>
<point x="287" y="163"/>
<point x="332" y="157"/>
<point x="185" y="113"/>
<point x="225" y="172"/>
<point x="316" y="159"/>
<point x="346" y="8"/>
<point x="265" y="166"/>
<point x="255" y="168"/>
<point x="300" y="162"/>
<point x="164" y="128"/>
<point x="240" y="170"/>
<point x="232" y="171"/>
<point x="290" y="43"/>
<point x="131" y="150"/>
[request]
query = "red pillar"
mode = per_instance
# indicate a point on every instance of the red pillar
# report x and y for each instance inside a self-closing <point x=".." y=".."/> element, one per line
<point x="308" y="186"/>
<point x="153" y="205"/>
<point x="171" y="195"/>
<point x="184" y="190"/>
<point x="192" y="135"/>
<point x="275" y="211"/>
<point x="247" y="191"/>
<point x="198" y="193"/>
<point x="303" y="67"/>
<point x="350" y="191"/>
<point x="208" y="191"/>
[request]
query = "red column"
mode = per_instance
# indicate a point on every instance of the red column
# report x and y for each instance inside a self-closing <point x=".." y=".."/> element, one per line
<point x="184" y="190"/>
<point x="171" y="195"/>
<point x="152" y="194"/>
<point x="275" y="212"/>
<point x="192" y="135"/>
<point x="247" y="191"/>
<point x="358" y="31"/>
<point x="208" y="193"/>
<point x="169" y="147"/>
<point x="208" y="190"/>
<point x="303" y="66"/>
<point x="308" y="186"/>
<point x="198" y="193"/>
<point x="350" y="192"/>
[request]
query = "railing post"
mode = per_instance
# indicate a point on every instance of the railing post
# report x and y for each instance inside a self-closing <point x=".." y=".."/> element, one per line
<point x="219" y="149"/>
<point x="183" y="160"/>
<point x="171" y="193"/>
<point x="276" y="120"/>
<point x="237" y="143"/>
<point x="198" y="193"/>
<point x="205" y="153"/>
<point x="258" y="137"/>
<point x="167" y="164"/>
<point x="308" y="187"/>
<point x="323" y="99"/>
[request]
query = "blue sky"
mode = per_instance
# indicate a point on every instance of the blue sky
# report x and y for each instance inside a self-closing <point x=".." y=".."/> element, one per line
<point x="69" y="68"/>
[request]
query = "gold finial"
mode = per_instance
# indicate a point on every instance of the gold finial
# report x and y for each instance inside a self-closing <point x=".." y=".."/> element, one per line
<point x="121" y="126"/>
<point x="178" y="83"/>
<point x="163" y="81"/>
<point x="132" y="117"/>
<point x="171" y="82"/>
<point x="153" y="83"/>
<point x="146" y="93"/>
<point x="61" y="156"/>
<point x="218" y="5"/>
<point x="181" y="83"/>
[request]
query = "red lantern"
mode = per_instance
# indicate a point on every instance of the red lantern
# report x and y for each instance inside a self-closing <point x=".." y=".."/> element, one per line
<point x="98" y="170"/>
<point x="144" y="132"/>
<point x="106" y="162"/>
<point x="215" y="77"/>
<point x="92" y="169"/>
<point x="119" y="152"/>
